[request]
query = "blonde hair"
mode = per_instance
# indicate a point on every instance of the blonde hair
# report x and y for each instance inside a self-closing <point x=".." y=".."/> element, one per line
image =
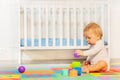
<point x="95" y="28"/>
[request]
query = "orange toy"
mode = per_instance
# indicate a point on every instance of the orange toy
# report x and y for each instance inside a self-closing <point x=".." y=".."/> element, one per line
<point x="73" y="73"/>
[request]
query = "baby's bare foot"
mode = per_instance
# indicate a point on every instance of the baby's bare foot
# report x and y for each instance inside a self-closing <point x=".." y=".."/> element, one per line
<point x="85" y="69"/>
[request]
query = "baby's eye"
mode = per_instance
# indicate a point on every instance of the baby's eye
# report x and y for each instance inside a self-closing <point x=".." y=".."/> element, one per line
<point x="88" y="37"/>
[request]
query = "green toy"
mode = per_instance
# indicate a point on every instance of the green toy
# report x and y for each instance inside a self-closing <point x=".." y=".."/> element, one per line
<point x="76" y="64"/>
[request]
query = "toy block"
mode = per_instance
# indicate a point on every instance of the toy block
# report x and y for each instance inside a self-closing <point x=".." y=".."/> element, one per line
<point x="73" y="73"/>
<point x="79" y="70"/>
<point x="65" y="72"/>
<point x="76" y="64"/>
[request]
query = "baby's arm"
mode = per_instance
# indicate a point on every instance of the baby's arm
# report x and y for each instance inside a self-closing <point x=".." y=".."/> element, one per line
<point x="94" y="50"/>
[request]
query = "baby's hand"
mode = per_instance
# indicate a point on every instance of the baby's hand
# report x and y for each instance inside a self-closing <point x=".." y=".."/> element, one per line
<point x="79" y="52"/>
<point x="86" y="62"/>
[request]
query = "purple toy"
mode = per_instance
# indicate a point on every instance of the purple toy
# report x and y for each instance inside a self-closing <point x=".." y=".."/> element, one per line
<point x="75" y="55"/>
<point x="21" y="69"/>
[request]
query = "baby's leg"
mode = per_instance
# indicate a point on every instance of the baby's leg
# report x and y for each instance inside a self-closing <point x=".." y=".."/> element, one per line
<point x="99" y="66"/>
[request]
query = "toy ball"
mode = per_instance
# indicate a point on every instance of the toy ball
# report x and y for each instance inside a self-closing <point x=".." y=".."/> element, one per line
<point x="75" y="55"/>
<point x="21" y="69"/>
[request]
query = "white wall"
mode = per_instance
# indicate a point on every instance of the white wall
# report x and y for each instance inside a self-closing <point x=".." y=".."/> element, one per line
<point x="9" y="29"/>
<point x="115" y="28"/>
<point x="9" y="24"/>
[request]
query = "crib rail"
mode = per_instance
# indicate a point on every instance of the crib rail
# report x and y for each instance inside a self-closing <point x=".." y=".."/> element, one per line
<point x="60" y="27"/>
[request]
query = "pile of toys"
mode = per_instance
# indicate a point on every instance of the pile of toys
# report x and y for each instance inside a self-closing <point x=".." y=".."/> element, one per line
<point x="73" y="70"/>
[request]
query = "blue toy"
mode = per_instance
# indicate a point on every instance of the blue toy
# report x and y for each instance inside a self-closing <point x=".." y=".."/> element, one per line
<point x="79" y="71"/>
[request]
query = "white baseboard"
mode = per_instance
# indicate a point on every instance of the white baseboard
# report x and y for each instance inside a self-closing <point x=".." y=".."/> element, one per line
<point x="15" y="63"/>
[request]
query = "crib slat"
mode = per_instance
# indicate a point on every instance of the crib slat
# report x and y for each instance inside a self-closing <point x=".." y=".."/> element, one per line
<point x="46" y="25"/>
<point x="67" y="25"/>
<point x="50" y="27"/>
<point x="81" y="26"/>
<point x="43" y="27"/>
<point x="39" y="23"/>
<point x="74" y="24"/>
<point x="32" y="25"/>
<point x="53" y="25"/>
<point x="65" y="28"/>
<point x="78" y="27"/>
<point x="71" y="27"/>
<point x="25" y="26"/>
<point x="61" y="25"/>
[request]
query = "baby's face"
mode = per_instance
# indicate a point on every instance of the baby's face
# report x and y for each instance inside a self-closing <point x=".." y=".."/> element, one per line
<point x="91" y="37"/>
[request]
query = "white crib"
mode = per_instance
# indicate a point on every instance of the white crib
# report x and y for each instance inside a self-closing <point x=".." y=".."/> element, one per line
<point x="58" y="24"/>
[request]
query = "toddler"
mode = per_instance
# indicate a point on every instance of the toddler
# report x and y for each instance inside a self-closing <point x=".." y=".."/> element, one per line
<point x="97" y="56"/>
